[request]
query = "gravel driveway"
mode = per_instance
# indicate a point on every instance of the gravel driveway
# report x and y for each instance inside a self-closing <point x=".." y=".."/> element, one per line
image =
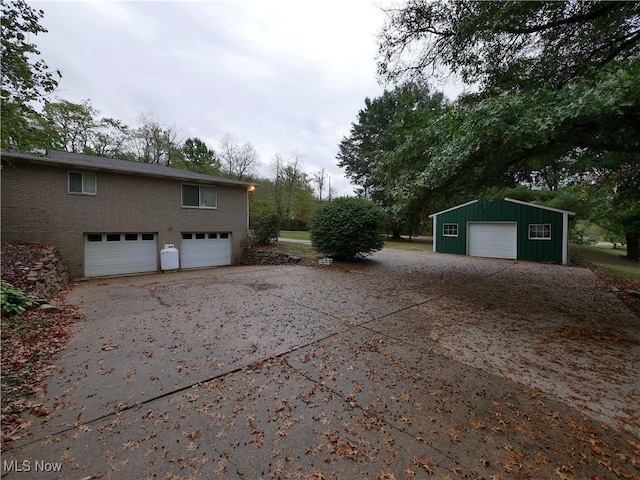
<point x="409" y="364"/>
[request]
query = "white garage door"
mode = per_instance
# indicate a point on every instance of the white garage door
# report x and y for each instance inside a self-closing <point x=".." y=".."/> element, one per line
<point x="495" y="240"/>
<point x="205" y="250"/>
<point x="119" y="253"/>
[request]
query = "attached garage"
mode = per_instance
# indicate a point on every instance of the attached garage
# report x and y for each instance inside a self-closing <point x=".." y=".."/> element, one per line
<point x="205" y="249"/>
<point x="503" y="228"/>
<point x="119" y="253"/>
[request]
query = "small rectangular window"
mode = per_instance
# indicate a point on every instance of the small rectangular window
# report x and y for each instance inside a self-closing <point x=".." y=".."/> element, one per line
<point x="113" y="237"/>
<point x="187" y="236"/>
<point x="540" y="231"/>
<point x="199" y="236"/>
<point x="224" y="235"/>
<point x="147" y="236"/>
<point x="208" y="197"/>
<point x="199" y="196"/>
<point x="190" y="196"/>
<point x="75" y="182"/>
<point x="130" y="237"/>
<point x="84" y="183"/>
<point x="450" y="229"/>
<point x="213" y="235"/>
<point x="93" y="237"/>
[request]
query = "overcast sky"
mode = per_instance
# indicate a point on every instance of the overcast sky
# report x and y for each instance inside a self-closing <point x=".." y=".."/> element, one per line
<point x="282" y="75"/>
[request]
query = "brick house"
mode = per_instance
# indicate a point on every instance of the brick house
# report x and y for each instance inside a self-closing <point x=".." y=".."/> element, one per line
<point x="110" y="217"/>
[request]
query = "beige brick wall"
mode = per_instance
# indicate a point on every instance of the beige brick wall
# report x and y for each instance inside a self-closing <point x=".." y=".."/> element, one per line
<point x="37" y="208"/>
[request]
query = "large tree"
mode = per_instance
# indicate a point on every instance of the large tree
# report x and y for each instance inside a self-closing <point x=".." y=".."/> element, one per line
<point x="238" y="161"/>
<point x="291" y="190"/>
<point x="70" y="126"/>
<point x="508" y="45"/>
<point x="383" y="126"/>
<point x="558" y="90"/>
<point x="112" y="138"/>
<point x="200" y="158"/>
<point x="155" y="142"/>
<point x="26" y="79"/>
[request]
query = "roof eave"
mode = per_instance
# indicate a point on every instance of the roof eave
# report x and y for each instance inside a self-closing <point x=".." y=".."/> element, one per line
<point x="67" y="163"/>
<point x="453" y="208"/>
<point x="557" y="210"/>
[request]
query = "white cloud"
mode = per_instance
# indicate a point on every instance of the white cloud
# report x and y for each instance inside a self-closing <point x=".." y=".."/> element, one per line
<point x="282" y="75"/>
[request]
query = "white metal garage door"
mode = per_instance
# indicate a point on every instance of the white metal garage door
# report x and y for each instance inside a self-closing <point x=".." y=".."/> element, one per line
<point x="495" y="240"/>
<point x="119" y="253"/>
<point x="205" y="250"/>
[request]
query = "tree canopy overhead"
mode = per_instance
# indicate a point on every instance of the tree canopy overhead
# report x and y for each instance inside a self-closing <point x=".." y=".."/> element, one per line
<point x="557" y="99"/>
<point x="502" y="45"/>
<point x="26" y="79"/>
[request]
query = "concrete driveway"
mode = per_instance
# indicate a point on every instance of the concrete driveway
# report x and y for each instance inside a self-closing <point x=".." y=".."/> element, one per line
<point x="408" y="365"/>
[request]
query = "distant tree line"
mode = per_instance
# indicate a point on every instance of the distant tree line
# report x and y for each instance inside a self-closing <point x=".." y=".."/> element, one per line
<point x="290" y="192"/>
<point x="32" y="122"/>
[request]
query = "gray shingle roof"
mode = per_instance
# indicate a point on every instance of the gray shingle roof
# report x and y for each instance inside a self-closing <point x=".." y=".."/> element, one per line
<point x="91" y="162"/>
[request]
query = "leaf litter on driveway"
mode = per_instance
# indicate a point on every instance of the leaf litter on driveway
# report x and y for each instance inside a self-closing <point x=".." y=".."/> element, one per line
<point x="392" y="368"/>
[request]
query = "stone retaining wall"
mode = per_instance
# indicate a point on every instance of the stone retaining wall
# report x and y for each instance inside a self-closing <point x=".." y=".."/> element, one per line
<point x="252" y="255"/>
<point x="49" y="276"/>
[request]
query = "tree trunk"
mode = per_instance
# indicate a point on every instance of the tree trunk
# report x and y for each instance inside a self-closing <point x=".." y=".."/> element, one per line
<point x="632" y="236"/>
<point x="633" y="245"/>
<point x="396" y="234"/>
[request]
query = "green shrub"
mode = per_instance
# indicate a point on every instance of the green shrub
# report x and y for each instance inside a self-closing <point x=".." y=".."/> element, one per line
<point x="347" y="228"/>
<point x="13" y="301"/>
<point x="267" y="229"/>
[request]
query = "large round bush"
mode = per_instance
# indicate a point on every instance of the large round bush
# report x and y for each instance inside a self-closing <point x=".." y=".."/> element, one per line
<point x="347" y="228"/>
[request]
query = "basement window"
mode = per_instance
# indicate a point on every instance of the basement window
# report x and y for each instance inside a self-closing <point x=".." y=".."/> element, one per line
<point x="83" y="183"/>
<point x="539" y="231"/>
<point x="199" y="197"/>
<point x="450" y="229"/>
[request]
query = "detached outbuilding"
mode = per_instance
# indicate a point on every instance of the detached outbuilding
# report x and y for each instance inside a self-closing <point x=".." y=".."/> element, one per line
<point x="503" y="228"/>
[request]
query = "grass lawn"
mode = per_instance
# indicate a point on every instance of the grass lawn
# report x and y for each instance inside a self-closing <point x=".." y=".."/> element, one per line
<point x="294" y="235"/>
<point x="300" y="249"/>
<point x="608" y="259"/>
<point x="416" y="243"/>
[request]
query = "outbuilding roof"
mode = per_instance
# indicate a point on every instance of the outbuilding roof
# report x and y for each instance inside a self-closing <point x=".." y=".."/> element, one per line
<point x="106" y="164"/>
<point x="520" y="202"/>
